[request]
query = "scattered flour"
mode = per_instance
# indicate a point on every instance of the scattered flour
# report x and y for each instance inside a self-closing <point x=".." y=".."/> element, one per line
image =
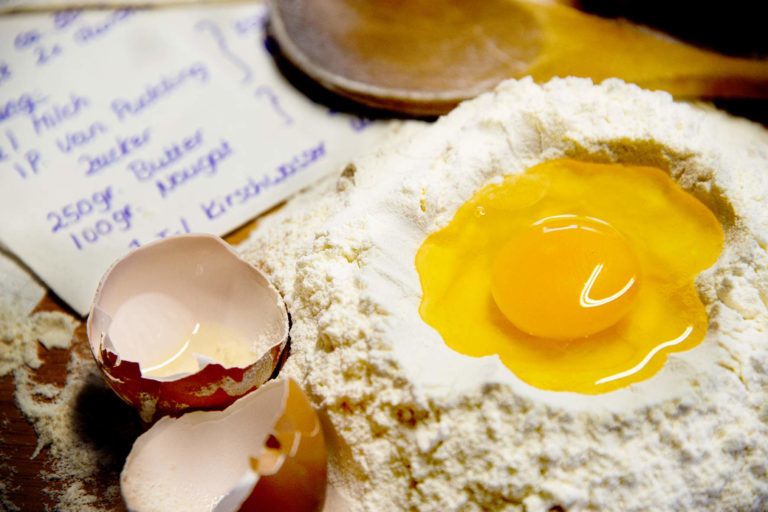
<point x="52" y="410"/>
<point x="416" y="426"/>
<point x="19" y="335"/>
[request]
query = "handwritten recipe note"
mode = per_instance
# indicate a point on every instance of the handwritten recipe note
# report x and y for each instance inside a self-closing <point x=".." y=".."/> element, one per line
<point x="40" y="5"/>
<point x="121" y="127"/>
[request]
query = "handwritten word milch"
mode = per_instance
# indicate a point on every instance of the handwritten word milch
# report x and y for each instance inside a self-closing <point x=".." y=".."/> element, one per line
<point x="58" y="113"/>
<point x="122" y="148"/>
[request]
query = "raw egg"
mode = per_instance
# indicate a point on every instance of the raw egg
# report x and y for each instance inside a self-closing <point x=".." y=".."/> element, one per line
<point x="579" y="276"/>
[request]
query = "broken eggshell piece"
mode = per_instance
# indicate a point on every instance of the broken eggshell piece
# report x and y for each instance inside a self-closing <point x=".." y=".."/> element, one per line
<point x="264" y="452"/>
<point x="185" y="323"/>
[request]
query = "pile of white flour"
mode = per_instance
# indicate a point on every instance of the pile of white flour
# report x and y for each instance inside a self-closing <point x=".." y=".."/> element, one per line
<point x="420" y="427"/>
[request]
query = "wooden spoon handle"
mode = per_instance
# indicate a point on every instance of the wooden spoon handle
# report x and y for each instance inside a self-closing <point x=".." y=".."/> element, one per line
<point x="578" y="44"/>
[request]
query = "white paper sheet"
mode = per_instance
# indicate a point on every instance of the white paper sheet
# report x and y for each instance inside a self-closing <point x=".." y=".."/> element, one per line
<point x="121" y="127"/>
<point x="15" y="6"/>
<point x="18" y="289"/>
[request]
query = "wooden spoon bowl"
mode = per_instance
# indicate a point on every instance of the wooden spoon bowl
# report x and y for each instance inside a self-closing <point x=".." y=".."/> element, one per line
<point x="423" y="56"/>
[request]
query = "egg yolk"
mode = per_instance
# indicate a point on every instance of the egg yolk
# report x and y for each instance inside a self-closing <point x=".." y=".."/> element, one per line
<point x="565" y="277"/>
<point x="578" y="276"/>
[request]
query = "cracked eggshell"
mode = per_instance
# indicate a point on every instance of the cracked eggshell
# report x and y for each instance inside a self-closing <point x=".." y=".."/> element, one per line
<point x="157" y="296"/>
<point x="264" y="452"/>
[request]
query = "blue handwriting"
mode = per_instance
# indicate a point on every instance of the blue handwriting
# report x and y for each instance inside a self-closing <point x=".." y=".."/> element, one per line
<point x="30" y="165"/>
<point x="12" y="139"/>
<point x="124" y="108"/>
<point x="26" y="39"/>
<point x="274" y="102"/>
<point x="181" y="229"/>
<point x="206" y="165"/>
<point x="143" y="170"/>
<point x="253" y="188"/>
<point x="30" y="38"/>
<point x="79" y="138"/>
<point x="63" y="19"/>
<point x="4" y="155"/>
<point x="31" y="160"/>
<point x="119" y="220"/>
<point x="46" y="54"/>
<point x="253" y="23"/>
<point x="357" y="123"/>
<point x="123" y="147"/>
<point x="57" y="114"/>
<point x="71" y="213"/>
<point x="88" y="33"/>
<point x="5" y="72"/>
<point x="221" y="42"/>
<point x="24" y="104"/>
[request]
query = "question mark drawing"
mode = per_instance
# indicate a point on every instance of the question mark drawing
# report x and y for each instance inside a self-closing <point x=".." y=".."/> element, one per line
<point x="266" y="92"/>
<point x="221" y="41"/>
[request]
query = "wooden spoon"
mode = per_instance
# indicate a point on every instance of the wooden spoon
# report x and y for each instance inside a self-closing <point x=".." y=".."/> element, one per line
<point x="425" y="56"/>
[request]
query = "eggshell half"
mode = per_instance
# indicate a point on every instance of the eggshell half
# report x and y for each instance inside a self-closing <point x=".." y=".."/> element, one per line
<point x="168" y="286"/>
<point x="264" y="452"/>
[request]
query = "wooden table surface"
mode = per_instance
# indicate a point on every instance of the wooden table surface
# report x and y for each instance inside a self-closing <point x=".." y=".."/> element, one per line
<point x="18" y="470"/>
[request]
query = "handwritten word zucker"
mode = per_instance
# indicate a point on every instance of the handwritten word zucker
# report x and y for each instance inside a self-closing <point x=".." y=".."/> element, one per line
<point x="123" y="147"/>
<point x="124" y="108"/>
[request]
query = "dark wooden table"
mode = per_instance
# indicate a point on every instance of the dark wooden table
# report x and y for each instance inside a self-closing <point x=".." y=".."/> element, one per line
<point x="19" y="472"/>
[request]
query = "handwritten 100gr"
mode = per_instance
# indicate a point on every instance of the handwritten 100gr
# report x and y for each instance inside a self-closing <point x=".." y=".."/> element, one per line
<point x="99" y="204"/>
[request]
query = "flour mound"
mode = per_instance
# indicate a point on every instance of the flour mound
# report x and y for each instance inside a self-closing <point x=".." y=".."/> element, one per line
<point x="416" y="426"/>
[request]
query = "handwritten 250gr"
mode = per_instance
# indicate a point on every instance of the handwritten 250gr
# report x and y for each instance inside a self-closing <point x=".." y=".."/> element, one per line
<point x="99" y="206"/>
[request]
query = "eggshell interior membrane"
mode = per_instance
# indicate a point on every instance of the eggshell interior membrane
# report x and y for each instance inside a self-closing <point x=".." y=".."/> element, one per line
<point x="157" y="296"/>
<point x="264" y="452"/>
